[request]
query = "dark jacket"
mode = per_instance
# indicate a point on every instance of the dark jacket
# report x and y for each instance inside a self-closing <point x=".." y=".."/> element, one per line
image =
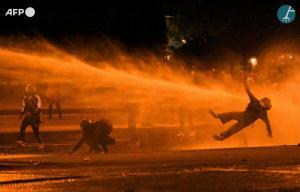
<point x="31" y="106"/>
<point x="96" y="133"/>
<point x="255" y="111"/>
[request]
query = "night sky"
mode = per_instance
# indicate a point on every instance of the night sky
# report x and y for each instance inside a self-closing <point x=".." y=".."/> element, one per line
<point x="240" y="25"/>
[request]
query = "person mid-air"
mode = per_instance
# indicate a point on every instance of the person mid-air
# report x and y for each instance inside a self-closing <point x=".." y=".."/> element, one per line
<point x="256" y="109"/>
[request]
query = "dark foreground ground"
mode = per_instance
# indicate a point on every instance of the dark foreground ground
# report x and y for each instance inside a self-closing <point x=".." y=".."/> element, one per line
<point x="152" y="164"/>
<point x="239" y="169"/>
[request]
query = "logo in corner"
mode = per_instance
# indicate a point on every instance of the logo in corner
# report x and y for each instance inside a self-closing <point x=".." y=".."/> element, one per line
<point x="29" y="12"/>
<point x="286" y="14"/>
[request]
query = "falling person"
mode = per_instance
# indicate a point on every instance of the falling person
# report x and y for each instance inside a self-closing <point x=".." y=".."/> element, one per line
<point x="256" y="109"/>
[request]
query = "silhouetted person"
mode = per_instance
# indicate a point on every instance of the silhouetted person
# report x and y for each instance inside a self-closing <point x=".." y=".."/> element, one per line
<point x="54" y="97"/>
<point x="185" y="115"/>
<point x="256" y="109"/>
<point x="31" y="114"/>
<point x="95" y="134"/>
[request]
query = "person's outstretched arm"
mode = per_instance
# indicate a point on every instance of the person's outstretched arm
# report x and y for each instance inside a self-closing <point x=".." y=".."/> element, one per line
<point x="250" y="95"/>
<point x="77" y="146"/>
<point x="268" y="124"/>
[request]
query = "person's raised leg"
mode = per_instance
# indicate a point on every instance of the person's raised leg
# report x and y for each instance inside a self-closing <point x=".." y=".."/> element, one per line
<point x="228" y="116"/>
<point x="232" y="130"/>
<point x="212" y="113"/>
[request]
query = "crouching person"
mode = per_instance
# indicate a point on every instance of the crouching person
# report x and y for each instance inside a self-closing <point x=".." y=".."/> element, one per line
<point x="96" y="135"/>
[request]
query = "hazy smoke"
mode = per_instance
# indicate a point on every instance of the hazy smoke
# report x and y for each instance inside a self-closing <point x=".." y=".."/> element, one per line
<point x="160" y="91"/>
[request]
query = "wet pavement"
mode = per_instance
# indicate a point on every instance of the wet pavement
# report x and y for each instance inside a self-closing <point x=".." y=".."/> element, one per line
<point x="139" y="169"/>
<point x="153" y="164"/>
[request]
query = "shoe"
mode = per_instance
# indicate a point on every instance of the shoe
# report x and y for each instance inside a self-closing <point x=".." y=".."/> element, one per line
<point x="218" y="137"/>
<point x="180" y="134"/>
<point x="20" y="143"/>
<point x="41" y="146"/>
<point x="212" y="113"/>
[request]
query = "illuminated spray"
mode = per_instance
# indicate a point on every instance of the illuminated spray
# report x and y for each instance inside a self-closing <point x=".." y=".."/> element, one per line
<point x="156" y="88"/>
